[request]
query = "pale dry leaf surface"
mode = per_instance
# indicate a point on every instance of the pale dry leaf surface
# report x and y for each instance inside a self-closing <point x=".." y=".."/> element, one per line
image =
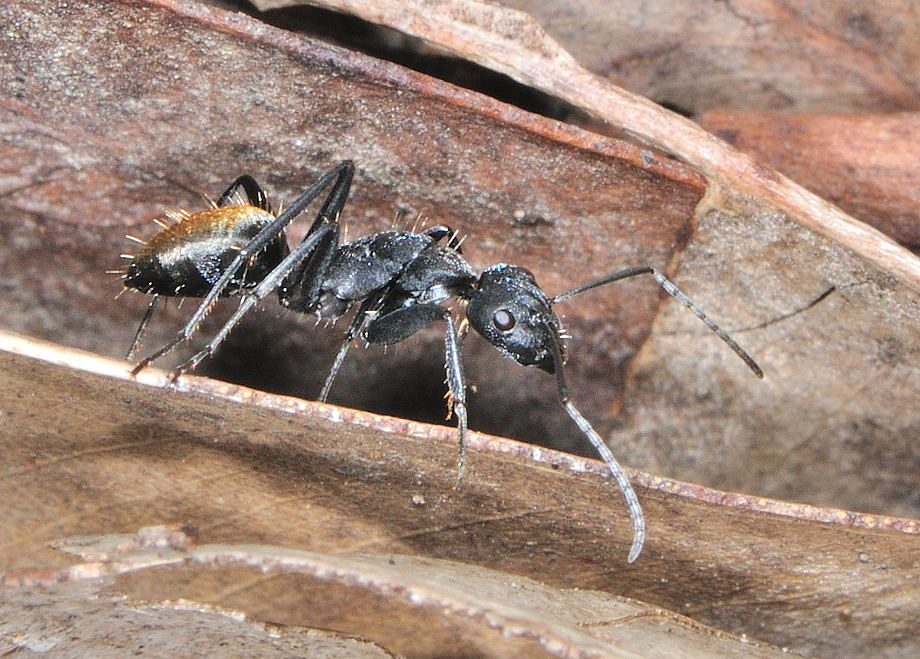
<point x="237" y="467"/>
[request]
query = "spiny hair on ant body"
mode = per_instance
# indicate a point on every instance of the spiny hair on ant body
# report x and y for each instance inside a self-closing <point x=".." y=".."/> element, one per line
<point x="399" y="282"/>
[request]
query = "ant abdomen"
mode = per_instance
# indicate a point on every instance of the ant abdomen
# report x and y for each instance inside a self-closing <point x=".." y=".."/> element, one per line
<point x="186" y="259"/>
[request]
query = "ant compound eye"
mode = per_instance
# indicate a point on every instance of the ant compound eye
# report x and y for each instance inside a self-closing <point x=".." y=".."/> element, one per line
<point x="503" y="320"/>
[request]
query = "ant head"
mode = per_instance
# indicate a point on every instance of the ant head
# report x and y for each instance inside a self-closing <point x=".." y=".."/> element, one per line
<point x="513" y="313"/>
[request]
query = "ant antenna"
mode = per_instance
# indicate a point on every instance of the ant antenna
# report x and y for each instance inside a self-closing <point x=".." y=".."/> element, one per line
<point x="674" y="292"/>
<point x="632" y="501"/>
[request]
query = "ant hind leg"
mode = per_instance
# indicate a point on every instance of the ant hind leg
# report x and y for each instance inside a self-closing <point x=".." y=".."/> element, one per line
<point x="341" y="176"/>
<point x="254" y="193"/>
<point x="142" y="328"/>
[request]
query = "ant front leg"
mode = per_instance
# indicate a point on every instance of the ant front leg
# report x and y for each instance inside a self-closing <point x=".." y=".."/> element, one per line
<point x="401" y="323"/>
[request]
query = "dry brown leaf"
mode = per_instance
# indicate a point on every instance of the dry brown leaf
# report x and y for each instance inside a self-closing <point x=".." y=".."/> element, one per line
<point x="94" y="453"/>
<point x="865" y="163"/>
<point x="830" y="55"/>
<point x="91" y="146"/>
<point x="471" y="610"/>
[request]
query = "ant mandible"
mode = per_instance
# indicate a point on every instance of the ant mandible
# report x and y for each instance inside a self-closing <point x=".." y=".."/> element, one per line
<point x="399" y="281"/>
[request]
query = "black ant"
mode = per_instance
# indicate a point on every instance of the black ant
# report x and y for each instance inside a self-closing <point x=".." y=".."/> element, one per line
<point x="399" y="281"/>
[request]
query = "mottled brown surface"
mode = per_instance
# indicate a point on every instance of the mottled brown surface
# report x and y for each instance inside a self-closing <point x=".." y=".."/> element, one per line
<point x="830" y="55"/>
<point x="244" y="468"/>
<point x="864" y="163"/>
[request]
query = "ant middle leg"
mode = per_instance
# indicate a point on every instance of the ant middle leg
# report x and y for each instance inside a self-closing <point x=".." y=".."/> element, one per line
<point x="354" y="329"/>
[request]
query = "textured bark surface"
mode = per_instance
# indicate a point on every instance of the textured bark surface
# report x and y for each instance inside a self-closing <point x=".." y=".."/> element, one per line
<point x="115" y="113"/>
<point x="830" y="55"/>
<point x="864" y="163"/>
